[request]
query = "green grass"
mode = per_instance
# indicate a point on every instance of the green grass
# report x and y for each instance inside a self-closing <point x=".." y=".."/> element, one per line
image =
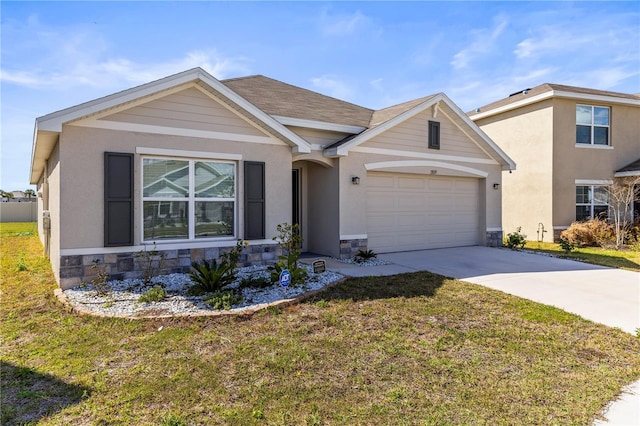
<point x="408" y="349"/>
<point x="624" y="259"/>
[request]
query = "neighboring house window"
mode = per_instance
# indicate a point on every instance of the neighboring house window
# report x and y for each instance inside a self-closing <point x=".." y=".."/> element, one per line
<point x="434" y="135"/>
<point x="591" y="202"/>
<point x="188" y="199"/>
<point x="592" y="125"/>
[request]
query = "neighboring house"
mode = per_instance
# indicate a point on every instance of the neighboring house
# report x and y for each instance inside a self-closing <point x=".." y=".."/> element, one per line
<point x="19" y="197"/>
<point x="191" y="164"/>
<point x="570" y="143"/>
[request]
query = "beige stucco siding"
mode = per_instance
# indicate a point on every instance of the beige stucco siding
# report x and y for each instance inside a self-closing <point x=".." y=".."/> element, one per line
<point x="187" y="109"/>
<point x="526" y="136"/>
<point x="82" y="151"/>
<point x="55" y="203"/>
<point x="412" y="135"/>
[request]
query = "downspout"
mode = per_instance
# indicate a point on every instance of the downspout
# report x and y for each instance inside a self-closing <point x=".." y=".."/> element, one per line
<point x="46" y="214"/>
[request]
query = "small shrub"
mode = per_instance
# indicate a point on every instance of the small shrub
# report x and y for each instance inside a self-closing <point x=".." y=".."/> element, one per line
<point x="150" y="262"/>
<point x="516" y="240"/>
<point x="290" y="240"/>
<point x="364" y="255"/>
<point x="566" y="245"/>
<point x="590" y="233"/>
<point x="154" y="294"/>
<point x="212" y="276"/>
<point x="100" y="281"/>
<point x="223" y="299"/>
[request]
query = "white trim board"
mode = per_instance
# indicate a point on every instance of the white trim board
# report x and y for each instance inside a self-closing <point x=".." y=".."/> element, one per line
<point x="411" y="154"/>
<point x="594" y="182"/>
<point x="419" y="163"/>
<point x="190" y="154"/>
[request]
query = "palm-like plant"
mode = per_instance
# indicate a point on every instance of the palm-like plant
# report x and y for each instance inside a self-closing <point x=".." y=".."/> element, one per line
<point x="29" y="193"/>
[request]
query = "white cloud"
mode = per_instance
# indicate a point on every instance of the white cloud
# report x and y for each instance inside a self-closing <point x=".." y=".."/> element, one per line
<point x="342" y="24"/>
<point x="331" y="86"/>
<point x="79" y="56"/>
<point x="114" y="72"/>
<point x="483" y="43"/>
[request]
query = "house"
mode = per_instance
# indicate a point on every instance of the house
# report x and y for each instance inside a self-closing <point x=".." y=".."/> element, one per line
<point x="188" y="164"/>
<point x="570" y="144"/>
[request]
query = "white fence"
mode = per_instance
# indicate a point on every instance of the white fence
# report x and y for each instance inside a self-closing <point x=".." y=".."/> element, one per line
<point x="19" y="212"/>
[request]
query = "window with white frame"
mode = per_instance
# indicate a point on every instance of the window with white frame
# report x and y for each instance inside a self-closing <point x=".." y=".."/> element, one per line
<point x="186" y="199"/>
<point x="592" y="125"/>
<point x="592" y="201"/>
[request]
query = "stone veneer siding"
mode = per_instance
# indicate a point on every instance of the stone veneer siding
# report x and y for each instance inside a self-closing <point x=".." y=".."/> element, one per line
<point x="80" y="268"/>
<point x="349" y="248"/>
<point x="494" y="238"/>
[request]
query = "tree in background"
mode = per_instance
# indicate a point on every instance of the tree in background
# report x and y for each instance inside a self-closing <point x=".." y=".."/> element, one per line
<point x="622" y="194"/>
<point x="29" y="193"/>
<point x="7" y="195"/>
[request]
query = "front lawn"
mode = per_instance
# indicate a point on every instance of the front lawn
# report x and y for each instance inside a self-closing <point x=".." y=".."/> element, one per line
<point x="409" y="349"/>
<point x="623" y="259"/>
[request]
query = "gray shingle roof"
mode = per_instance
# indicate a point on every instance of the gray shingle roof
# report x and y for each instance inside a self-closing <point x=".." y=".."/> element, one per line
<point x="548" y="87"/>
<point x="633" y="167"/>
<point x="281" y="99"/>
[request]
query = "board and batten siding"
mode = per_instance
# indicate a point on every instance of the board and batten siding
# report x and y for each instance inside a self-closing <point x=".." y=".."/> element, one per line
<point x="187" y="109"/>
<point x="412" y="135"/>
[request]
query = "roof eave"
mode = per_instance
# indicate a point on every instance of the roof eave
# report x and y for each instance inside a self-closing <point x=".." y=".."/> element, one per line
<point x="555" y="94"/>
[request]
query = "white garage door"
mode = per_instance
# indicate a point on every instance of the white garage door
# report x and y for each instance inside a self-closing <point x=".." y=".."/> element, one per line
<point x="415" y="212"/>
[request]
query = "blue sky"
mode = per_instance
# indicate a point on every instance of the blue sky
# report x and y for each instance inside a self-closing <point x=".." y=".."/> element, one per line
<point x="55" y="55"/>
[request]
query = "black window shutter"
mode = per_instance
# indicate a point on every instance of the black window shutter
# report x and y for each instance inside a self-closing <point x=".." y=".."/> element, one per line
<point x="254" y="200"/>
<point x="118" y="199"/>
<point x="434" y="135"/>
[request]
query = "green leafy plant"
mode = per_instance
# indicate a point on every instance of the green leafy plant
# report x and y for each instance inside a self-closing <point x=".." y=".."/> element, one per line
<point x="290" y="240"/>
<point x="154" y="294"/>
<point x="212" y="276"/>
<point x="255" y="282"/>
<point x="223" y="299"/>
<point x="22" y="264"/>
<point x="150" y="262"/>
<point x="364" y="255"/>
<point x="566" y="245"/>
<point x="516" y="240"/>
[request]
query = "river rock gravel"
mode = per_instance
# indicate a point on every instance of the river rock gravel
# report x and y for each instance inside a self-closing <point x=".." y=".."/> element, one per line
<point x="122" y="297"/>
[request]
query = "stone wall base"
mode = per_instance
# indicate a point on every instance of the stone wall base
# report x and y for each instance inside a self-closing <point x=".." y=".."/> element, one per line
<point x="130" y="265"/>
<point x="349" y="248"/>
<point x="494" y="238"/>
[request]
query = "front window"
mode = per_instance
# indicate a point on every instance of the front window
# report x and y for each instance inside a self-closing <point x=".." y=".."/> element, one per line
<point x="592" y="125"/>
<point x="188" y="199"/>
<point x="591" y="202"/>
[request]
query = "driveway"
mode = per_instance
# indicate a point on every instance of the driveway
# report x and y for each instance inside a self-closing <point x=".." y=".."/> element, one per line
<point x="604" y="295"/>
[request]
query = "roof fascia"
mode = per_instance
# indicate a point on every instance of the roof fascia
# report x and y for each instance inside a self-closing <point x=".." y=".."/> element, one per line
<point x="556" y="94"/>
<point x="631" y="173"/>
<point x="343" y="150"/>
<point x="504" y="159"/>
<point x="53" y="122"/>
<point x="318" y="125"/>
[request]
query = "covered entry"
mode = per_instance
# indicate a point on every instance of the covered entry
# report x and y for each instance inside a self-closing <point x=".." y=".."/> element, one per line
<point x="415" y="212"/>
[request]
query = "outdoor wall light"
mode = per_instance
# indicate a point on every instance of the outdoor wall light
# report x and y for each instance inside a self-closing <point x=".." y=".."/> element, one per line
<point x="496" y="186"/>
<point x="355" y="180"/>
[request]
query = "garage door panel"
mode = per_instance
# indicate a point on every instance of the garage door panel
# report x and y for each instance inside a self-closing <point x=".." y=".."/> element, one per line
<point x="413" y="212"/>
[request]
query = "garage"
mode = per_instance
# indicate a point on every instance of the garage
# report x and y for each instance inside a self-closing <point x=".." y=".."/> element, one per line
<point x="415" y="212"/>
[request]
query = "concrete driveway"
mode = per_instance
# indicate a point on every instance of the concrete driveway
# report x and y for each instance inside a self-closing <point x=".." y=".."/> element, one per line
<point x="604" y="295"/>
